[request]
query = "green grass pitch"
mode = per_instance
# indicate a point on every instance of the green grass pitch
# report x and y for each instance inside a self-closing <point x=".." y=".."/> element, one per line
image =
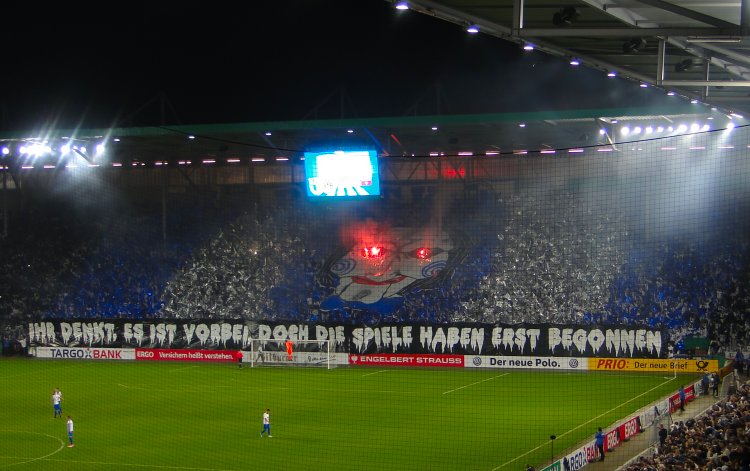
<point x="135" y="416"/>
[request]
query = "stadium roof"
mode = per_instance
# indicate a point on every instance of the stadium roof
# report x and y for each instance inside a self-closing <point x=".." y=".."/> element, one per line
<point x="414" y="136"/>
<point x="696" y="48"/>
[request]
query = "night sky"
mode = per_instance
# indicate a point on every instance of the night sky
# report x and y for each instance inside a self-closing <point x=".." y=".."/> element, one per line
<point x="203" y="62"/>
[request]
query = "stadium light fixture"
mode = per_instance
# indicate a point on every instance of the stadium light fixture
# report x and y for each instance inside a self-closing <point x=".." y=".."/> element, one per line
<point x="528" y="47"/>
<point x="565" y="16"/>
<point x="472" y="29"/>
<point x="574" y="62"/>
<point x="684" y="65"/>
<point x="634" y="46"/>
<point x="402" y="6"/>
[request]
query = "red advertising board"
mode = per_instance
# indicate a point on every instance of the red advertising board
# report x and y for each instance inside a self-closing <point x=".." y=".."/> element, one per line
<point x="168" y="354"/>
<point x="611" y="440"/>
<point x="629" y="429"/>
<point x="451" y="361"/>
<point x="674" y="400"/>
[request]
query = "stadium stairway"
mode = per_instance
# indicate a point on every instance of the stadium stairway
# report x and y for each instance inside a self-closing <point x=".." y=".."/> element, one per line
<point x="644" y="443"/>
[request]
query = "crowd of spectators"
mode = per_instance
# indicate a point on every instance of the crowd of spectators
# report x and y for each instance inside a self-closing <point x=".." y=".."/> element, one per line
<point x="718" y="440"/>
<point x="555" y="256"/>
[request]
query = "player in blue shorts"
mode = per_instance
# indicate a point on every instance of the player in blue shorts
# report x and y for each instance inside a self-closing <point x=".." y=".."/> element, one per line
<point x="266" y="423"/>
<point x="70" y="432"/>
<point x="57" y="403"/>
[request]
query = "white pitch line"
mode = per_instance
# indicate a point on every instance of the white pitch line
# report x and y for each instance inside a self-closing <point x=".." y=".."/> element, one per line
<point x="585" y="423"/>
<point x="478" y="382"/>
<point x="31" y="460"/>
<point x="134" y="465"/>
<point x="370" y="374"/>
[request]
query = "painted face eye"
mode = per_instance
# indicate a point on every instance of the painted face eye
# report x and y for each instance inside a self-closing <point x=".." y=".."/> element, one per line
<point x="424" y="253"/>
<point x="375" y="251"/>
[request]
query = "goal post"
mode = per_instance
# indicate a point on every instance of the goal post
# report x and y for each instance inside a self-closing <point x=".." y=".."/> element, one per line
<point x="312" y="353"/>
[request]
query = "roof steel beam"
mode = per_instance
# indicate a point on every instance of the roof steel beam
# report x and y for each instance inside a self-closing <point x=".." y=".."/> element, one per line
<point x="624" y="32"/>
<point x="688" y="13"/>
<point x="706" y="83"/>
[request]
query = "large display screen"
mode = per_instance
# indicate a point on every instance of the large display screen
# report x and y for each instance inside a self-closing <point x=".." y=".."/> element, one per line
<point x="342" y="174"/>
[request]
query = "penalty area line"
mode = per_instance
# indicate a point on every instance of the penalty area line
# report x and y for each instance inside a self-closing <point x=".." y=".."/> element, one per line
<point x="376" y="372"/>
<point x="475" y="383"/>
<point x="137" y="465"/>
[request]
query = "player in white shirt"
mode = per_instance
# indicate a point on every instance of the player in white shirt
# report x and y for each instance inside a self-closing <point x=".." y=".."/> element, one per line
<point x="70" y="432"/>
<point x="57" y="403"/>
<point x="266" y="423"/>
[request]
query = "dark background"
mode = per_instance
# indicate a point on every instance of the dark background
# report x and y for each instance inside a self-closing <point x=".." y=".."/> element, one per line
<point x="200" y="62"/>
